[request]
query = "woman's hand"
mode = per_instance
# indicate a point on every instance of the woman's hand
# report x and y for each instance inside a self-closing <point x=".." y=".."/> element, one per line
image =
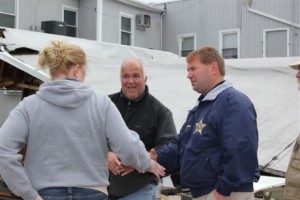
<point x="39" y="198"/>
<point x="157" y="169"/>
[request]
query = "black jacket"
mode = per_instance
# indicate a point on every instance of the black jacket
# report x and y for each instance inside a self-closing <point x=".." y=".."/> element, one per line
<point x="155" y="125"/>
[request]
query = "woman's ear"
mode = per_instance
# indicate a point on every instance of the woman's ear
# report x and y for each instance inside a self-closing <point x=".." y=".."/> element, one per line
<point x="76" y="69"/>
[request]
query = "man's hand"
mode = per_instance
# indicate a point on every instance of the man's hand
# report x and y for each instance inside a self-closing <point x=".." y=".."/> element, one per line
<point x="116" y="167"/>
<point x="114" y="163"/>
<point x="153" y="154"/>
<point x="124" y="170"/>
<point x="218" y="196"/>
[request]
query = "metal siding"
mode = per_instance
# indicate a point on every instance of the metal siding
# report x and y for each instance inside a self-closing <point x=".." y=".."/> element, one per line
<point x="295" y="32"/>
<point x="198" y="16"/>
<point x="87" y="19"/>
<point x="253" y="25"/>
<point x="207" y="17"/>
<point x="33" y="12"/>
<point x="8" y="102"/>
<point x="150" y="38"/>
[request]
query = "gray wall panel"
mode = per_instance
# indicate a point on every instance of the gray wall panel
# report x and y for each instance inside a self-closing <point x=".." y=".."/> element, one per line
<point x="207" y="17"/>
<point x="32" y="12"/>
<point x="149" y="38"/>
<point x="87" y="19"/>
<point x="7" y="103"/>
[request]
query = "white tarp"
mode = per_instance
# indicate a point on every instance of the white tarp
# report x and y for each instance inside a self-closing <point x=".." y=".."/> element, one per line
<point x="269" y="83"/>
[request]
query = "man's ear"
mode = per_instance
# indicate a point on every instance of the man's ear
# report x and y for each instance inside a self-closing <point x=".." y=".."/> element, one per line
<point x="145" y="79"/>
<point x="215" y="68"/>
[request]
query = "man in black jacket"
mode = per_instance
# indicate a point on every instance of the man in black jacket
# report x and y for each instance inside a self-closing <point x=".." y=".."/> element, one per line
<point x="154" y="123"/>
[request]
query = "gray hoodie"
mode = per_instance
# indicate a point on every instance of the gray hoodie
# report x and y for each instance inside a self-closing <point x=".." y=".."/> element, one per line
<point x="67" y="128"/>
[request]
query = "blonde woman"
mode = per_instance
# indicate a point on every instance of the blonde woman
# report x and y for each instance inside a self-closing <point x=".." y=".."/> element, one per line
<point x="67" y="128"/>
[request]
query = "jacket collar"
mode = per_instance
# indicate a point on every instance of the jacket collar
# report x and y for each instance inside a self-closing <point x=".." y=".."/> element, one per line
<point x="212" y="95"/>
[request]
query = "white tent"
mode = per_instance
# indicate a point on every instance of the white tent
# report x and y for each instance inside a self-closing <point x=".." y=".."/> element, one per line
<point x="269" y="83"/>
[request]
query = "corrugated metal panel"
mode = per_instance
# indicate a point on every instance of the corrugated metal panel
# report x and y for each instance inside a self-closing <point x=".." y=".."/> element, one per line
<point x="33" y="12"/>
<point x="207" y="17"/>
<point x="8" y="102"/>
<point x="87" y="19"/>
<point x="149" y="38"/>
<point x="254" y="24"/>
<point x="198" y="16"/>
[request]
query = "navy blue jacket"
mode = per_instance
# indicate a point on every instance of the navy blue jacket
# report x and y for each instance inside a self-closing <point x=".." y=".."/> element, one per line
<point x="217" y="145"/>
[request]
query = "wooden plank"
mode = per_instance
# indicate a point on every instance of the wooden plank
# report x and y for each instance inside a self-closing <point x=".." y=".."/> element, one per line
<point x="31" y="87"/>
<point x="6" y="83"/>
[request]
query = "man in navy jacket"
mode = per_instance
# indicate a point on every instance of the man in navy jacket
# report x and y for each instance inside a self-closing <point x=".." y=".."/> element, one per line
<point x="216" y="149"/>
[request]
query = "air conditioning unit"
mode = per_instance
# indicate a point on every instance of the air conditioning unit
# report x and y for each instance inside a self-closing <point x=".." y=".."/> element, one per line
<point x="143" y="20"/>
<point x="54" y="27"/>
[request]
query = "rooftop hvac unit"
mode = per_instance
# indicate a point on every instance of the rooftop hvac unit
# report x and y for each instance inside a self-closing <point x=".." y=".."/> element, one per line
<point x="54" y="27"/>
<point x="143" y="21"/>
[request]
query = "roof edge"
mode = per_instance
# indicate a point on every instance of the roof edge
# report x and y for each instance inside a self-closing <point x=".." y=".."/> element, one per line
<point x="142" y="5"/>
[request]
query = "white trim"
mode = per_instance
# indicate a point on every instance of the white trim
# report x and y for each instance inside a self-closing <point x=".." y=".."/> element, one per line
<point x="17" y="8"/>
<point x="276" y="29"/>
<point x="141" y="5"/>
<point x="15" y="14"/>
<point x="99" y="20"/>
<point x="122" y="14"/>
<point x="74" y="9"/>
<point x="229" y="31"/>
<point x="182" y="36"/>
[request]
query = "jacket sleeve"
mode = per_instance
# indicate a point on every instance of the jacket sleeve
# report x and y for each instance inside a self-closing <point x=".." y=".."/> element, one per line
<point x="13" y="137"/>
<point x="239" y="140"/>
<point x="124" y="142"/>
<point x="166" y="130"/>
<point x="169" y="154"/>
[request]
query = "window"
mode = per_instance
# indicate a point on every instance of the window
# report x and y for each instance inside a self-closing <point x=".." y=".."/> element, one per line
<point x="70" y="18"/>
<point x="229" y="44"/>
<point x="187" y="44"/>
<point x="8" y="13"/>
<point x="126" y="30"/>
<point x="276" y="42"/>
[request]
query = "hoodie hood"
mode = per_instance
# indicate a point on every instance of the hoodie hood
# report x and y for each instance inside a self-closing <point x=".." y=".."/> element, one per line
<point x="65" y="93"/>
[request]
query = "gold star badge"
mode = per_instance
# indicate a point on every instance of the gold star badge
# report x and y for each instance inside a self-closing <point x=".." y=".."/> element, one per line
<point x="199" y="126"/>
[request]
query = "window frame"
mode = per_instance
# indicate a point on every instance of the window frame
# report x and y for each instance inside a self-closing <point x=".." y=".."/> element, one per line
<point x="72" y="9"/>
<point x="265" y="31"/>
<point x="132" y="22"/>
<point x="180" y="40"/>
<point x="16" y="11"/>
<point x="221" y="39"/>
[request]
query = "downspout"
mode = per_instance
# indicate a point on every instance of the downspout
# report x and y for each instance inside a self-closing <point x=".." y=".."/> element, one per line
<point x="99" y="13"/>
<point x="271" y="16"/>
<point x="161" y="27"/>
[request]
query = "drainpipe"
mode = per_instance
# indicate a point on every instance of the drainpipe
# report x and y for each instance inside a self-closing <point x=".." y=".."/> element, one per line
<point x="270" y="16"/>
<point x="161" y="27"/>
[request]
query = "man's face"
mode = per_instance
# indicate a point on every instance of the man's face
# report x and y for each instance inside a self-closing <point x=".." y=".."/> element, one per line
<point x="133" y="80"/>
<point x="200" y="76"/>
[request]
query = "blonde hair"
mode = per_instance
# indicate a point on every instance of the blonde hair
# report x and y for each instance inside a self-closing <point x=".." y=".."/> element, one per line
<point x="60" y="56"/>
<point x="208" y="55"/>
